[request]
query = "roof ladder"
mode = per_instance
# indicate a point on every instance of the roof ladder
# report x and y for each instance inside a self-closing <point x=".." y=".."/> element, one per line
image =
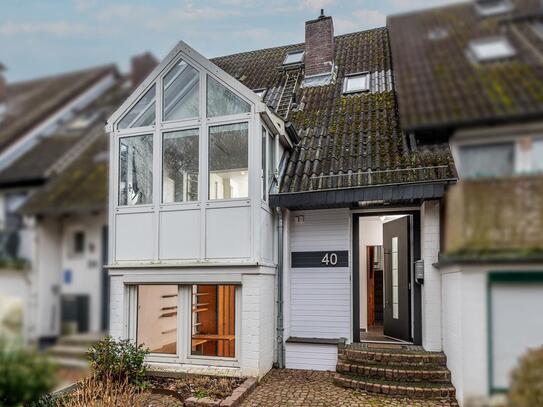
<point x="285" y="101"/>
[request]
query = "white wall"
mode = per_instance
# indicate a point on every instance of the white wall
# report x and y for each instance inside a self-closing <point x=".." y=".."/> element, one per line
<point x="370" y="234"/>
<point x="86" y="268"/>
<point x="257" y="335"/>
<point x="431" y="289"/>
<point x="465" y="339"/>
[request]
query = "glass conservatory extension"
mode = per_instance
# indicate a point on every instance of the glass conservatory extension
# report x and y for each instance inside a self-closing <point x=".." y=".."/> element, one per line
<point x="186" y="144"/>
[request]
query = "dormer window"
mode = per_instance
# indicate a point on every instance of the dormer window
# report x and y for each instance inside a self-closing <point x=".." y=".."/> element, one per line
<point x="294" y="58"/>
<point x="490" y="49"/>
<point x="487" y="8"/>
<point x="355" y="83"/>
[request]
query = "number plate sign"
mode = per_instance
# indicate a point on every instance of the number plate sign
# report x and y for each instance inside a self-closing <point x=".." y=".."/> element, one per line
<point x="339" y="258"/>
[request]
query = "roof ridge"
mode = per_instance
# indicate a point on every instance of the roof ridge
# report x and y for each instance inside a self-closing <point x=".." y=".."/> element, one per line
<point x="255" y="51"/>
<point x="96" y="69"/>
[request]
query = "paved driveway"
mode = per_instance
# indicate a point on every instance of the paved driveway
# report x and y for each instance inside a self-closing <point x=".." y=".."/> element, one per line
<point x="288" y="387"/>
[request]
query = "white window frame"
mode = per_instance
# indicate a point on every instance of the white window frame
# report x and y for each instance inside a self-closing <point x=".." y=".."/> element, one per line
<point x="294" y="52"/>
<point x="508" y="50"/>
<point x="184" y="327"/>
<point x="488" y="10"/>
<point x="348" y="77"/>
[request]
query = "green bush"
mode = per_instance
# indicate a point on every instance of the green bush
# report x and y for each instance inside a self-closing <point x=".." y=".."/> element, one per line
<point x="527" y="380"/>
<point x="25" y="376"/>
<point x="120" y="360"/>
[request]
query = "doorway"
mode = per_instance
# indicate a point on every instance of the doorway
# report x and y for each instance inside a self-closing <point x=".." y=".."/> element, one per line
<point x="386" y="300"/>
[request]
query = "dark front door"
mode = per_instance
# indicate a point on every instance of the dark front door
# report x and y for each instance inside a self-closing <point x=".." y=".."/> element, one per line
<point x="396" y="247"/>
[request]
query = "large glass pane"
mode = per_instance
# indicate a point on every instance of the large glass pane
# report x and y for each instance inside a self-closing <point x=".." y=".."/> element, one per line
<point x="157" y="318"/>
<point x="143" y="112"/>
<point x="395" y="300"/>
<point x="214" y="320"/>
<point x="222" y="101"/>
<point x="181" y="92"/>
<point x="537" y="156"/>
<point x="490" y="160"/>
<point x="228" y="161"/>
<point x="271" y="160"/>
<point x="136" y="170"/>
<point x="180" y="166"/>
<point x="264" y="165"/>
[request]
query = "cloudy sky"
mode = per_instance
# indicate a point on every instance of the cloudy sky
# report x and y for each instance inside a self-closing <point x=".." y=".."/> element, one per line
<point x="43" y="37"/>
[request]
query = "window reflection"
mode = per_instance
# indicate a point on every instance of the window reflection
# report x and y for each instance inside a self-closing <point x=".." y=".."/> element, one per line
<point x="181" y="92"/>
<point x="136" y="170"/>
<point x="222" y="101"/>
<point x="157" y="318"/>
<point x="180" y="166"/>
<point x="142" y="114"/>
<point x="213" y="320"/>
<point x="228" y="161"/>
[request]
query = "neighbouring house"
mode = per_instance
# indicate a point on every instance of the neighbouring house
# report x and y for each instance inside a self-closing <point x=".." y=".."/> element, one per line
<point x="266" y="206"/>
<point x="30" y="153"/>
<point x="68" y="214"/>
<point x="472" y="74"/>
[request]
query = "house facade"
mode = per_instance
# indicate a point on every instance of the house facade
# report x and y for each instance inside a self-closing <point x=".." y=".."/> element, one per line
<point x="253" y="198"/>
<point x="455" y="70"/>
<point x="269" y="205"/>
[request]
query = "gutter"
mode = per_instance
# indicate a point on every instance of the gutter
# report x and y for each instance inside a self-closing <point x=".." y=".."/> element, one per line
<point x="280" y="319"/>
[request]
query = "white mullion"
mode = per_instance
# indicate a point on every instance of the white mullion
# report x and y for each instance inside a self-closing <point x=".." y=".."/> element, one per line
<point x="204" y="159"/>
<point x="157" y="168"/>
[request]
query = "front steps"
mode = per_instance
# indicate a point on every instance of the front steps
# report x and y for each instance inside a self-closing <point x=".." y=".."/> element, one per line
<point x="395" y="370"/>
<point x="70" y="352"/>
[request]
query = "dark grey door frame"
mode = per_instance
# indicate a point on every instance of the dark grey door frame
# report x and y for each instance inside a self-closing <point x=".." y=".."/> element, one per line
<point x="416" y="255"/>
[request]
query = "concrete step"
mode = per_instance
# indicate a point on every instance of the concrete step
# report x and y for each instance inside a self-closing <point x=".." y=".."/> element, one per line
<point x="85" y="340"/>
<point x="70" y="363"/>
<point x="68" y="351"/>
<point x="395" y="387"/>
<point x="426" y="373"/>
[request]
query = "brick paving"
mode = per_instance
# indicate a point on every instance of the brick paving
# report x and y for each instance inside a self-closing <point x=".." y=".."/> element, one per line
<point x="288" y="387"/>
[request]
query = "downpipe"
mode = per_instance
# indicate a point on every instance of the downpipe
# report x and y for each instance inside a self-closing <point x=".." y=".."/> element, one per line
<point x="280" y="328"/>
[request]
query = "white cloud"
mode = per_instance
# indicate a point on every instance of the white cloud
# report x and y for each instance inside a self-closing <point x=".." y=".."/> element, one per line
<point x="83" y="5"/>
<point x="52" y="28"/>
<point x="360" y="20"/>
<point x="316" y="4"/>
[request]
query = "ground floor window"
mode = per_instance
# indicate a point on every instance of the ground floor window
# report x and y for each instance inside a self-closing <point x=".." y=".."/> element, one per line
<point x="213" y="320"/>
<point x="184" y="321"/>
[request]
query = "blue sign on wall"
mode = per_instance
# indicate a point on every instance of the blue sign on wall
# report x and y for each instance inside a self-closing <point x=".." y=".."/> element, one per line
<point x="67" y="276"/>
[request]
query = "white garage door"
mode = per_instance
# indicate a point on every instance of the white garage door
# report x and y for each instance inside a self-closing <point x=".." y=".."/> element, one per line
<point x="516" y="311"/>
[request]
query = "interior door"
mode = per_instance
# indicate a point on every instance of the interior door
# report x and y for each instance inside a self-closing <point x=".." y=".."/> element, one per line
<point x="396" y="247"/>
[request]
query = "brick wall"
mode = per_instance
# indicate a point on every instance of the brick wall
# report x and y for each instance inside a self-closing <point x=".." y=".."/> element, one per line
<point x="319" y="46"/>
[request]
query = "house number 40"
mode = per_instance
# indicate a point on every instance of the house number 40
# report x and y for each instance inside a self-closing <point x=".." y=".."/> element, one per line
<point x="329" y="259"/>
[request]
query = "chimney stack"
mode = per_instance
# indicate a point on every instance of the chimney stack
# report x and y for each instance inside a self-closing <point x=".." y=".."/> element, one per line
<point x="3" y="83"/>
<point x="319" y="45"/>
<point x="142" y="65"/>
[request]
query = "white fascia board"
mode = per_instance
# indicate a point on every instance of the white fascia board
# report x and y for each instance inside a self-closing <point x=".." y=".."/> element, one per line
<point x="21" y="146"/>
<point x="277" y="126"/>
<point x="193" y="57"/>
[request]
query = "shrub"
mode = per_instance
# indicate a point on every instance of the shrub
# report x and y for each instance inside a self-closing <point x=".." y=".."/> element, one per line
<point x="119" y="360"/>
<point x="25" y="376"/>
<point x="104" y="391"/>
<point x="527" y="380"/>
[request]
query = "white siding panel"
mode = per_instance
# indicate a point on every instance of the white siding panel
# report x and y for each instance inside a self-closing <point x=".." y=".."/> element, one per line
<point x="228" y="233"/>
<point x="311" y="356"/>
<point x="133" y="238"/>
<point x="320" y="298"/>
<point x="517" y="325"/>
<point x="180" y="235"/>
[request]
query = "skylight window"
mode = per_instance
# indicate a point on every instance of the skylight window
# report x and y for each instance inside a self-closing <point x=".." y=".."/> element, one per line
<point x="294" y="57"/>
<point x="490" y="49"/>
<point x="489" y="8"/>
<point x="355" y="83"/>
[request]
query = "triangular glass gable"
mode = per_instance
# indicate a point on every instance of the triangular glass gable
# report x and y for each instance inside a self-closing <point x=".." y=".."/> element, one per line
<point x="142" y="114"/>
<point x="222" y="101"/>
<point x="181" y="91"/>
